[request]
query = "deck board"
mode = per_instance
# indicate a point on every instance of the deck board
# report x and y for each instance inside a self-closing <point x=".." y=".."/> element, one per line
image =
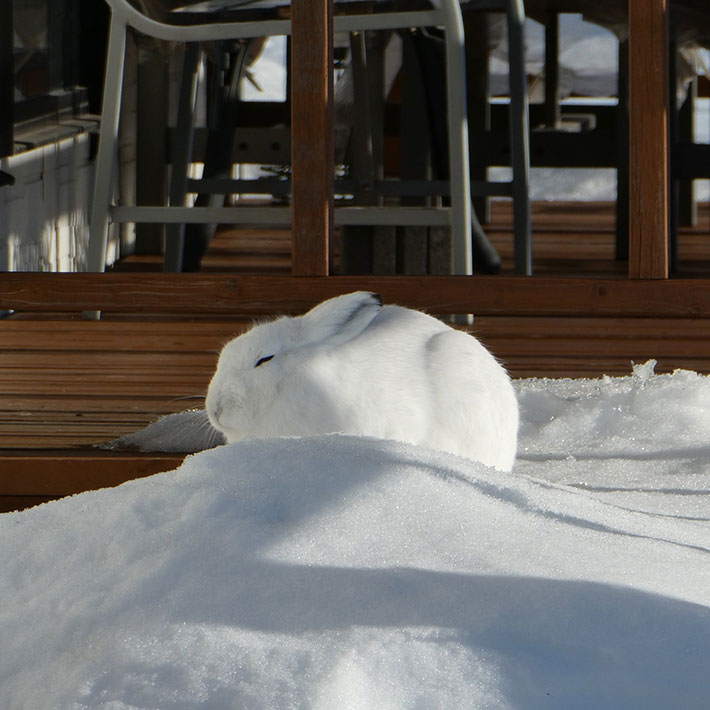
<point x="67" y="383"/>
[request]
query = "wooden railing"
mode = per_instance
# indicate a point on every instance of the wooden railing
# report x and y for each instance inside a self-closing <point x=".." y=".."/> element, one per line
<point x="256" y="295"/>
<point x="312" y="127"/>
<point x="648" y="116"/>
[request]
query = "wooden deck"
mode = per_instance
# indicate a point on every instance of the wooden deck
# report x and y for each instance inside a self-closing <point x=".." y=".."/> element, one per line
<point x="68" y="383"/>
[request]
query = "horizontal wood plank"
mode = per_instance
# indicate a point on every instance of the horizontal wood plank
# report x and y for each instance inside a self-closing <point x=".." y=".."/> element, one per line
<point x="70" y="401"/>
<point x="590" y="327"/>
<point x="11" y="504"/>
<point x="61" y="473"/>
<point x="260" y="295"/>
<point x="120" y="336"/>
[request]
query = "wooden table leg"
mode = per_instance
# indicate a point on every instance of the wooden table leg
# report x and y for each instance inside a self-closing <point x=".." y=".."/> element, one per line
<point x="648" y="139"/>
<point x="312" y="135"/>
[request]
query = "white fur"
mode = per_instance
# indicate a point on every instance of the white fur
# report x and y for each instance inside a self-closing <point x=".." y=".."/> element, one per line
<point x="353" y="366"/>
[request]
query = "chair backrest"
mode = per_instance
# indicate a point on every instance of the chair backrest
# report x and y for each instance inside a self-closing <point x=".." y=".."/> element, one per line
<point x="161" y="10"/>
<point x="150" y="17"/>
<point x="153" y="18"/>
<point x="155" y="9"/>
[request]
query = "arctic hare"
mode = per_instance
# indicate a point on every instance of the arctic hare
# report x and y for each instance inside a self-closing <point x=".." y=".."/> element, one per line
<point x="353" y="366"/>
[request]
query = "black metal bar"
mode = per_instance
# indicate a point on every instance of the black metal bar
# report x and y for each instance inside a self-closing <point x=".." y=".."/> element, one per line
<point x="622" y="153"/>
<point x="6" y="78"/>
<point x="552" y="69"/>
<point x="56" y="42"/>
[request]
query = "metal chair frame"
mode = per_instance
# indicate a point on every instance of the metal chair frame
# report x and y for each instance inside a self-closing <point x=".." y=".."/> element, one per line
<point x="458" y="216"/>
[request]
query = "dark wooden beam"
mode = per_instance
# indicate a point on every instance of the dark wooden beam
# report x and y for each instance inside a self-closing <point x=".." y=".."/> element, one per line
<point x="65" y="472"/>
<point x="648" y="139"/>
<point x="312" y="135"/>
<point x="220" y="294"/>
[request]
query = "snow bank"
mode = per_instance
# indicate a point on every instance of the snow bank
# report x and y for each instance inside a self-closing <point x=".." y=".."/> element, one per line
<point x="642" y="439"/>
<point x="345" y="572"/>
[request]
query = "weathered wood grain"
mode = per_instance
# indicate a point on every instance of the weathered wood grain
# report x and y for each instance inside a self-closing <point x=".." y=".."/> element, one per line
<point x="312" y="141"/>
<point x="60" y="473"/>
<point x="260" y="295"/>
<point x="648" y="139"/>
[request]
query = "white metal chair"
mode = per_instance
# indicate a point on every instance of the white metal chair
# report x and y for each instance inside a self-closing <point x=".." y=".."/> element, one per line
<point x="446" y="15"/>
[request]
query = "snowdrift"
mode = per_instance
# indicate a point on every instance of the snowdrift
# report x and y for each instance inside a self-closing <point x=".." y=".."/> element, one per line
<point x="346" y="572"/>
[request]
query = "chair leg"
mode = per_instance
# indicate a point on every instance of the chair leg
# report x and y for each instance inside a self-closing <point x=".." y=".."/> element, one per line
<point x="357" y="242"/>
<point x="520" y="139"/>
<point x="416" y="253"/>
<point x="218" y="158"/>
<point x="108" y="142"/>
<point x="622" y="152"/>
<point x="687" y="207"/>
<point x="458" y="143"/>
<point x="182" y="156"/>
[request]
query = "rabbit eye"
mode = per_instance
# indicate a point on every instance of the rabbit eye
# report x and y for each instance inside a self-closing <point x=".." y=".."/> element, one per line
<point x="262" y="360"/>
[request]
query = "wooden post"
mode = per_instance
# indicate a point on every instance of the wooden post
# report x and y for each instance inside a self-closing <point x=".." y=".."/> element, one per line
<point x="648" y="139"/>
<point x="312" y="158"/>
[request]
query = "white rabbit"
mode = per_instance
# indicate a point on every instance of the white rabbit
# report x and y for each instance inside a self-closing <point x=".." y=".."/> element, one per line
<point x="352" y="366"/>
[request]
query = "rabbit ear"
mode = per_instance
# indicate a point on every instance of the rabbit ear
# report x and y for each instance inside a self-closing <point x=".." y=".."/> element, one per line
<point x="339" y="319"/>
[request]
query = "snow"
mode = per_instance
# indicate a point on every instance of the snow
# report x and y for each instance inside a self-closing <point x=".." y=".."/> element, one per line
<point x="346" y="572"/>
